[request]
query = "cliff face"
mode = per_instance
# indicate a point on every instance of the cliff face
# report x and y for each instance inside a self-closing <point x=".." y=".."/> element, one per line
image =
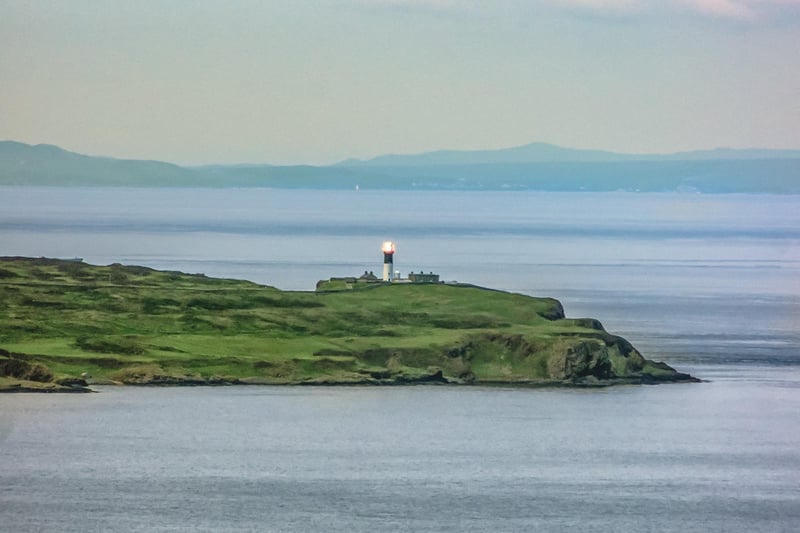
<point x="65" y="319"/>
<point x="568" y="359"/>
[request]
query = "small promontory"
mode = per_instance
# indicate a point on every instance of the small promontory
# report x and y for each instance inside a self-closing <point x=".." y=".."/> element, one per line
<point x="65" y="324"/>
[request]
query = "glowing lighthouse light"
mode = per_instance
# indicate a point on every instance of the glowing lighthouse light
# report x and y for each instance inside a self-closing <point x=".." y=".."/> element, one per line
<point x="388" y="260"/>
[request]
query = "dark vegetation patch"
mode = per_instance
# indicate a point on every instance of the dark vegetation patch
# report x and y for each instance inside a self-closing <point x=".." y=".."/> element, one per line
<point x="516" y="346"/>
<point x="588" y="323"/>
<point x="466" y="321"/>
<point x="168" y="349"/>
<point x="105" y="362"/>
<point x="118" y="277"/>
<point x="608" y="339"/>
<point x="13" y="367"/>
<point x="195" y="322"/>
<point x="342" y="324"/>
<point x="331" y="351"/>
<point x="56" y="290"/>
<point x="119" y="345"/>
<point x="283" y="370"/>
<point x="266" y="301"/>
<point x="154" y="305"/>
<point x="132" y="270"/>
<point x="249" y="301"/>
<point x="406" y="318"/>
<point x="554" y="311"/>
<point x="285" y="325"/>
<point x="518" y="356"/>
<point x="253" y="323"/>
<point x="100" y="362"/>
<point x="39" y="302"/>
<point x="7" y="274"/>
<point x="587" y="358"/>
<point x="325" y="364"/>
<point x="43" y="275"/>
<point x="214" y="304"/>
<point x="9" y="329"/>
<point x="392" y="356"/>
<point x="76" y="270"/>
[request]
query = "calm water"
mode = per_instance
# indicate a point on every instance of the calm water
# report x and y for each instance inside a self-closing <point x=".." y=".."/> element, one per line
<point x="722" y="456"/>
<point x="707" y="283"/>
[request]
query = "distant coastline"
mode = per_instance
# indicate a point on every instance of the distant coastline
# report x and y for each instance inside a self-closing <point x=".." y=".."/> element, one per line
<point x="534" y="167"/>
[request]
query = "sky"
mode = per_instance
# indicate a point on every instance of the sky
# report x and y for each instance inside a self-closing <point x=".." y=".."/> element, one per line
<point x="315" y="82"/>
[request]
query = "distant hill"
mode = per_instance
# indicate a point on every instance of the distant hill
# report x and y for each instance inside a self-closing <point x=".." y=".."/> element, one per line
<point x="44" y="164"/>
<point x="538" y="166"/>
<point x="550" y="153"/>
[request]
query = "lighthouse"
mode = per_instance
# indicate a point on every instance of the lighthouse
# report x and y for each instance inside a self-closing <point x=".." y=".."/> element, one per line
<point x="388" y="260"/>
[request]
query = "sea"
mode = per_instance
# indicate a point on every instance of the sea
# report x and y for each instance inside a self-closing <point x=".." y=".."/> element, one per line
<point x="709" y="284"/>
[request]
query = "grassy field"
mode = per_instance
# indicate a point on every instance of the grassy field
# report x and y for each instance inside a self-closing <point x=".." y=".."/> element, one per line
<point x="60" y="320"/>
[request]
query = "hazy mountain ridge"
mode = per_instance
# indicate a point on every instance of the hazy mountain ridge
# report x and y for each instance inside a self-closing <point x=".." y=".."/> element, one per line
<point x="550" y="153"/>
<point x="536" y="166"/>
<point x="46" y="164"/>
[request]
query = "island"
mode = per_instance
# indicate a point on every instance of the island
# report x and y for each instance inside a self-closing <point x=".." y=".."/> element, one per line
<point x="66" y="324"/>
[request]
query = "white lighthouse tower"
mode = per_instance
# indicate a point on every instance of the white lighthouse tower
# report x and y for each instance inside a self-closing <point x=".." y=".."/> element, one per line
<point x="388" y="260"/>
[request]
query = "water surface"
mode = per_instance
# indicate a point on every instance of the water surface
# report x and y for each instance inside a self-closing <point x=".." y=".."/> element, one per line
<point x="707" y="283"/>
<point x="713" y="457"/>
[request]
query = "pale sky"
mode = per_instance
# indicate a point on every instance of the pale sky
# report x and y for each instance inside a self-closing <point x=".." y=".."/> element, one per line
<point x="198" y="81"/>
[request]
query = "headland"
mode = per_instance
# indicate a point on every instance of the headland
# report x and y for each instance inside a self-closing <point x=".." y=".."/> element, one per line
<point x="65" y="325"/>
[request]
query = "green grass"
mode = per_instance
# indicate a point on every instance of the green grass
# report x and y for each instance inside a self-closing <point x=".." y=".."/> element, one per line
<point x="138" y="325"/>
